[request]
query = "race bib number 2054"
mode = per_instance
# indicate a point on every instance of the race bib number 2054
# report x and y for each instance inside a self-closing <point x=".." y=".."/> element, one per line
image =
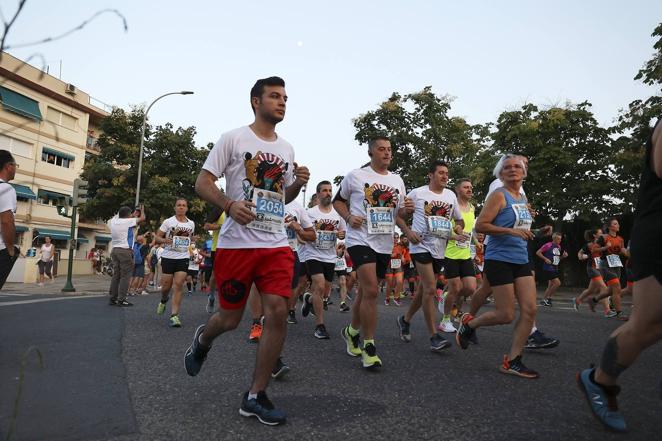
<point x="269" y="211"/>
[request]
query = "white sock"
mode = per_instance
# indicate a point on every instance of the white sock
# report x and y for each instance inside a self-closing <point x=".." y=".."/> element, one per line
<point x="252" y="396"/>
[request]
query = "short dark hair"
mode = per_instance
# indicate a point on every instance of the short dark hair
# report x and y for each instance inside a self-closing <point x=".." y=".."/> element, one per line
<point x="462" y="181"/>
<point x="317" y="189"/>
<point x="258" y="88"/>
<point x="372" y="141"/>
<point x="125" y="211"/>
<point x="434" y="164"/>
<point x="5" y="158"/>
<point x="181" y="199"/>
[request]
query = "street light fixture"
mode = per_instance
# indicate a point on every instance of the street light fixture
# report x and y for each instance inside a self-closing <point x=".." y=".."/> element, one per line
<point x="142" y="138"/>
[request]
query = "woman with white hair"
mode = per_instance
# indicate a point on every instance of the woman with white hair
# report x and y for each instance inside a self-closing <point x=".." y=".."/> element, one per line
<point x="506" y="219"/>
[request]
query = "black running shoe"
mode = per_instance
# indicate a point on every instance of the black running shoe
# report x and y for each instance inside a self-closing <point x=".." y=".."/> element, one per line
<point x="320" y="332"/>
<point x="123" y="303"/>
<point x="464" y="333"/>
<point x="196" y="354"/>
<point x="113" y="302"/>
<point x="538" y="340"/>
<point x="404" y="329"/>
<point x="516" y="367"/>
<point x="344" y="307"/>
<point x="258" y="408"/>
<point x="279" y="371"/>
<point x="438" y="342"/>
<point x="325" y="304"/>
<point x="306" y="305"/>
<point x="291" y="317"/>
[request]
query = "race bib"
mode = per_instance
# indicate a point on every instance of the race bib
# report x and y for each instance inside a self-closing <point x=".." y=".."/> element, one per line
<point x="472" y="250"/>
<point x="269" y="211"/>
<point x="523" y="219"/>
<point x="340" y="264"/>
<point x="325" y="240"/>
<point x="380" y="220"/>
<point x="614" y="261"/>
<point x="396" y="263"/>
<point x="556" y="260"/>
<point x="292" y="238"/>
<point x="596" y="261"/>
<point x="349" y="269"/>
<point x="180" y="244"/>
<point x="439" y="226"/>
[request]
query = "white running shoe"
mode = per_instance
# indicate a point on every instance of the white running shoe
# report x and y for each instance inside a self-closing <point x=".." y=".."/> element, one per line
<point x="446" y="327"/>
<point x="442" y="302"/>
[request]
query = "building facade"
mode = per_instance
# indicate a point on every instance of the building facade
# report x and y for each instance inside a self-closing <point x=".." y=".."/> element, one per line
<point x="50" y="127"/>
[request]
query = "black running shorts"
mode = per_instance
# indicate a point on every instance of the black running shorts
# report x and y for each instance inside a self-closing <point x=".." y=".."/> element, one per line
<point x="362" y="254"/>
<point x="317" y="267"/>
<point x="504" y="273"/>
<point x="426" y="259"/>
<point x="172" y="266"/>
<point x="459" y="268"/>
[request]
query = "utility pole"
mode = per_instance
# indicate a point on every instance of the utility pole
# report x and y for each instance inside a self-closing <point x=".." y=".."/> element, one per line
<point x="80" y="191"/>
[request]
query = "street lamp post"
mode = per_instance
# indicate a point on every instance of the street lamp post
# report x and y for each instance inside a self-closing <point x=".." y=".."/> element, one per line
<point x="142" y="139"/>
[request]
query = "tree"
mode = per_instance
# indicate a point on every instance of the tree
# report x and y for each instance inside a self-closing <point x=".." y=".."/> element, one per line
<point x="170" y="165"/>
<point x="569" y="173"/>
<point x="421" y="131"/>
<point x="635" y="127"/>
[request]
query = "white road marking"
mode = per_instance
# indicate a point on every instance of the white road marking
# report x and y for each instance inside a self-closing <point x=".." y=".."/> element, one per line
<point x="11" y="294"/>
<point x="50" y="299"/>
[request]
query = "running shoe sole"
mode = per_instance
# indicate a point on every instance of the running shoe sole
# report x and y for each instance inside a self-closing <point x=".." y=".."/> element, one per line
<point x="280" y="374"/>
<point x="245" y="413"/>
<point x="444" y="345"/>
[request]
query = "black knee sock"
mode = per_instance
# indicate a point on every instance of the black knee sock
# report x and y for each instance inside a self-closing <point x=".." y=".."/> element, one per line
<point x="188" y="285"/>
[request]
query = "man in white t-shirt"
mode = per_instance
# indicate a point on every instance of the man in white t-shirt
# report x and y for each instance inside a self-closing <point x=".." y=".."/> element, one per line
<point x="320" y="255"/>
<point x="298" y="228"/>
<point x="369" y="200"/>
<point x="432" y="227"/>
<point x="123" y="233"/>
<point x="261" y="177"/>
<point x="8" y="251"/>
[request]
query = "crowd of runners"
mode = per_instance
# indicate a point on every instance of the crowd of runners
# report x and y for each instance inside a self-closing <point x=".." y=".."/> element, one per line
<point x="270" y="252"/>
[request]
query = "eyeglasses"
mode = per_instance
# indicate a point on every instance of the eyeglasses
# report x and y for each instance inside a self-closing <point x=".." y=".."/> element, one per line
<point x="14" y="164"/>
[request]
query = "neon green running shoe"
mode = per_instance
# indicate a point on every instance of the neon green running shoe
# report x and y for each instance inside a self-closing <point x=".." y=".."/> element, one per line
<point x="369" y="357"/>
<point x="174" y="322"/>
<point x="161" y="308"/>
<point x="353" y="349"/>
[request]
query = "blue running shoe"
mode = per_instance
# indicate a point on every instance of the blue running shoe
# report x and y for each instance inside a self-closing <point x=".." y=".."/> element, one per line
<point x="196" y="354"/>
<point x="602" y="401"/>
<point x="262" y="409"/>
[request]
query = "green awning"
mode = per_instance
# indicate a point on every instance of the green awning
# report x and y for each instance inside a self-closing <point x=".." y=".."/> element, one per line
<point x="50" y="194"/>
<point x="54" y="234"/>
<point x="82" y="239"/>
<point x="23" y="191"/>
<point x="21" y="229"/>
<point x="21" y="104"/>
<point x="51" y="151"/>
<point x="102" y="239"/>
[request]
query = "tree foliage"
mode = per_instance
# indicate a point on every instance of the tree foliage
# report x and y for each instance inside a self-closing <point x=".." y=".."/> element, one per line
<point x="170" y="166"/>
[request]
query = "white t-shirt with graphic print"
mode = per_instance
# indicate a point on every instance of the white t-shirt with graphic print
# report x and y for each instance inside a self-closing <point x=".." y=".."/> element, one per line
<point x="7" y="203"/>
<point x="181" y="234"/>
<point x="365" y="189"/>
<point x="431" y="208"/>
<point x="326" y="226"/>
<point x="294" y="211"/>
<point x="250" y="163"/>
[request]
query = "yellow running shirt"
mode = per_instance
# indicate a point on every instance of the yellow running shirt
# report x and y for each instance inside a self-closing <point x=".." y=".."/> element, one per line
<point x="461" y="250"/>
<point x="214" y="236"/>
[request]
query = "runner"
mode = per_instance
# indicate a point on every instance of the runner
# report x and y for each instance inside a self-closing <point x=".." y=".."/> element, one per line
<point x="342" y="275"/>
<point x="458" y="265"/>
<point x="551" y="254"/>
<point x="213" y="222"/>
<point x="537" y="339"/>
<point x="261" y="177"/>
<point x="395" y="273"/>
<point x="506" y="218"/>
<point x="368" y="199"/>
<point x="612" y="248"/>
<point x="195" y="258"/>
<point x="9" y="251"/>
<point x="46" y="260"/>
<point x="479" y="257"/>
<point x="176" y="234"/>
<point x="645" y="325"/>
<point x="591" y="253"/>
<point x="431" y="229"/>
<point x="299" y="229"/>
<point x="320" y="255"/>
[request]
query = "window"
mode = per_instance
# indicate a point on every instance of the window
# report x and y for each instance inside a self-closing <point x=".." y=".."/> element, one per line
<point x="48" y="197"/>
<point x="16" y="146"/>
<point x="61" y="118"/>
<point x="57" y="158"/>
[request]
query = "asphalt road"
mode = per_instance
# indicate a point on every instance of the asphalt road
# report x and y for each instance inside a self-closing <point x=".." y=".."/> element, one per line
<point x="117" y="374"/>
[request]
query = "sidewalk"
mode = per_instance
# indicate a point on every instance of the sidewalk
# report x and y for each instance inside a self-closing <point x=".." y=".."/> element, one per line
<point x="84" y="285"/>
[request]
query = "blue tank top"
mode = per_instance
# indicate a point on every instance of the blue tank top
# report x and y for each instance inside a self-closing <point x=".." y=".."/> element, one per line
<point x="505" y="247"/>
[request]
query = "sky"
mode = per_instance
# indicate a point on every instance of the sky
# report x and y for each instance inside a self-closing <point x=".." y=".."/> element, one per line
<point x="340" y="59"/>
